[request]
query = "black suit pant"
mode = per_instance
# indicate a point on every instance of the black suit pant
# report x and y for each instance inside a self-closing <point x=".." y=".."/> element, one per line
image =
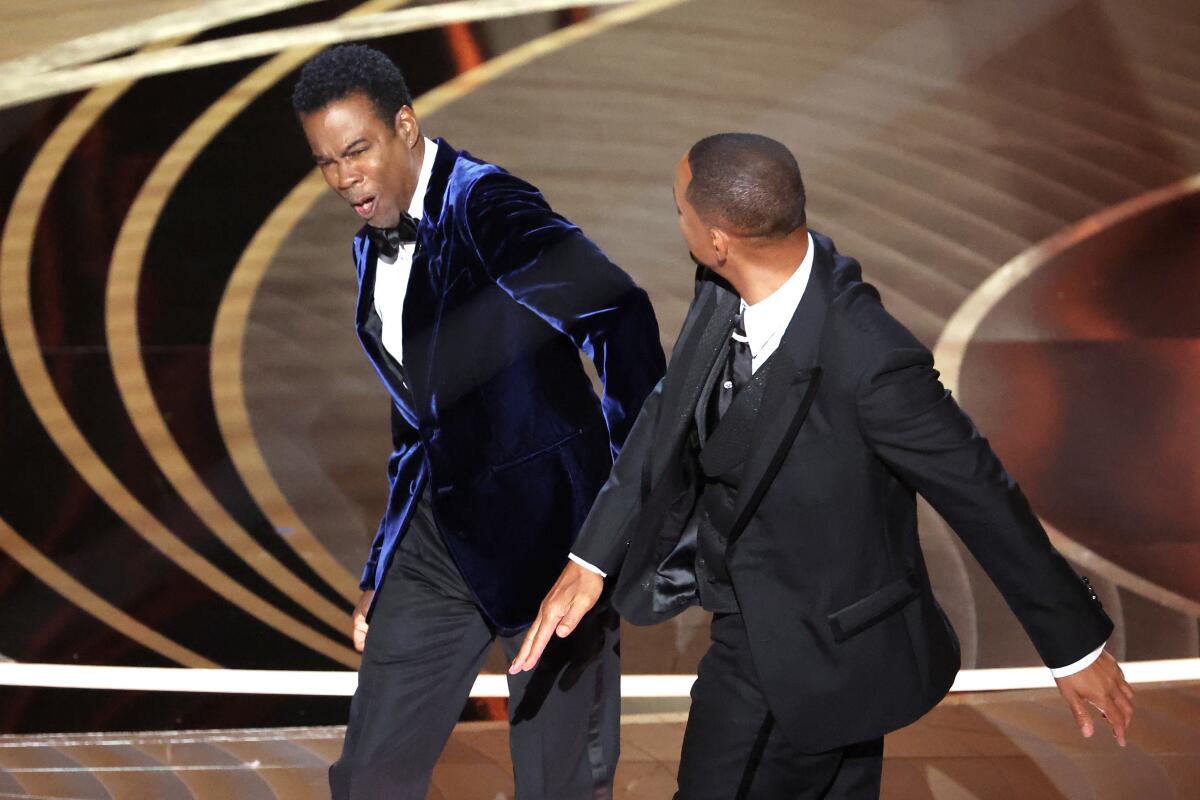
<point x="426" y="644"/>
<point x="733" y="750"/>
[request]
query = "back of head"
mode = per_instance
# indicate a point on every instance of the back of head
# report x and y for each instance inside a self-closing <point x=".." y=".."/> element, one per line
<point x="348" y="69"/>
<point x="748" y="184"/>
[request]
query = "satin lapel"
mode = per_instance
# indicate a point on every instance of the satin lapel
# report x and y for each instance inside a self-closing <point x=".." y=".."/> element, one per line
<point x="425" y="296"/>
<point x="369" y="326"/>
<point x="791" y="388"/>
<point x="694" y="362"/>
<point x="700" y="411"/>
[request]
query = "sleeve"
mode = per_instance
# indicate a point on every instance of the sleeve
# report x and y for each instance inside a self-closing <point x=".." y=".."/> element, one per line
<point x="549" y="266"/>
<point x="404" y="437"/>
<point x="604" y="537"/>
<point x="917" y="429"/>
<point x="587" y="565"/>
<point x="1078" y="666"/>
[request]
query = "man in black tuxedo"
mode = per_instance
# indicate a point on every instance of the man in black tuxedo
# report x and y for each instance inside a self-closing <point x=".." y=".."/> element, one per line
<point x="475" y="300"/>
<point x="772" y="478"/>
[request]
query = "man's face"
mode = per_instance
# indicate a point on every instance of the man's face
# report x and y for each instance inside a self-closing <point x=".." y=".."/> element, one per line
<point x="696" y="234"/>
<point x="371" y="164"/>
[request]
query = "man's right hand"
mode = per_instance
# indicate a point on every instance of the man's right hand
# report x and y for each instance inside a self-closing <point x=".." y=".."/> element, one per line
<point x="359" y="633"/>
<point x="573" y="595"/>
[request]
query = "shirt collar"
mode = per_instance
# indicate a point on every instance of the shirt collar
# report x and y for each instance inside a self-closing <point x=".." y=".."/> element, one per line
<point x="416" y="208"/>
<point x="767" y="318"/>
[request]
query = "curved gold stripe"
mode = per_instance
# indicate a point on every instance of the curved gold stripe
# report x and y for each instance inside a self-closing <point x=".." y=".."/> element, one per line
<point x="229" y="398"/>
<point x="185" y="22"/>
<point x="16" y="322"/>
<point x="229" y="331"/>
<point x="951" y="349"/>
<point x="129" y="369"/>
<point x="21" y="88"/>
<point x="21" y="222"/>
<point x="49" y="573"/>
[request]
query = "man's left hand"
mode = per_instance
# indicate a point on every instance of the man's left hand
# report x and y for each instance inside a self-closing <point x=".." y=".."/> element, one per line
<point x="1103" y="686"/>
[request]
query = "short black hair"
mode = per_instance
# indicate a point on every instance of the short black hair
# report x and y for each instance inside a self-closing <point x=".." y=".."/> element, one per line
<point x="748" y="182"/>
<point x="347" y="69"/>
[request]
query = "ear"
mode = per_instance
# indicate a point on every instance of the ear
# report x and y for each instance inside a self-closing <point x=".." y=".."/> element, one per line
<point x="406" y="126"/>
<point x="720" y="245"/>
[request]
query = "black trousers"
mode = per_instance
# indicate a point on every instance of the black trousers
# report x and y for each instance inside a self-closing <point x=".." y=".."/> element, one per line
<point x="732" y="749"/>
<point x="426" y="644"/>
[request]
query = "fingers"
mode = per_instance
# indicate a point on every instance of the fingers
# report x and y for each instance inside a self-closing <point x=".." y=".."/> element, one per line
<point x="522" y="656"/>
<point x="1117" y="697"/>
<point x="1120" y="714"/>
<point x="535" y="641"/>
<point x="1082" y="718"/>
<point x="1117" y="713"/>
<point x="571" y="619"/>
<point x="359" y="634"/>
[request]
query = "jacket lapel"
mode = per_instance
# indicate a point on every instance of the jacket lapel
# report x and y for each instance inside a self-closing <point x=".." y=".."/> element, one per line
<point x="693" y="363"/>
<point x="425" y="295"/>
<point x="791" y="388"/>
<point x="370" y="328"/>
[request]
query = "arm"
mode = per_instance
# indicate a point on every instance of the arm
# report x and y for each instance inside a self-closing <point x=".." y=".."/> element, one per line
<point x="547" y="265"/>
<point x="603" y="539"/>
<point x="403" y="437"/>
<point x="602" y="543"/>
<point x="916" y="428"/>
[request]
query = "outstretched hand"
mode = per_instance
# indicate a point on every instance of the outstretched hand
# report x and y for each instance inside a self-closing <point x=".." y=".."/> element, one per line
<point x="573" y="595"/>
<point x="1103" y="686"/>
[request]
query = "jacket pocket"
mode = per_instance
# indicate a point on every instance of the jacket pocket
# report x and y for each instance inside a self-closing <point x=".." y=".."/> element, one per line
<point x="555" y="445"/>
<point x="864" y="613"/>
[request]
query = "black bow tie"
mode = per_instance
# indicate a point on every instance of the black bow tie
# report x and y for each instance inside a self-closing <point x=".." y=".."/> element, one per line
<point x="388" y="240"/>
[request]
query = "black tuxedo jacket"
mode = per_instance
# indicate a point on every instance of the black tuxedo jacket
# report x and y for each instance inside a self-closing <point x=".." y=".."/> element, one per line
<point x="846" y="636"/>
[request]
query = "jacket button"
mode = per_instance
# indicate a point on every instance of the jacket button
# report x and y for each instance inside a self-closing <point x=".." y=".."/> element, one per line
<point x="412" y="487"/>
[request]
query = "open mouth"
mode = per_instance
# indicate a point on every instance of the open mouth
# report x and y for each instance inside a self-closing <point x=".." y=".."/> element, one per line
<point x="365" y="207"/>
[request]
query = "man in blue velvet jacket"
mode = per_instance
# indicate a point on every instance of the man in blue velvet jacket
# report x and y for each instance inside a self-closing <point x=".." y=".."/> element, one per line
<point x="474" y="300"/>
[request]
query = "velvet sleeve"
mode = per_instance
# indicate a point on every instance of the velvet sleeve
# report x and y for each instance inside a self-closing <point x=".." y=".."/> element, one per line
<point x="404" y="437"/>
<point x="549" y="266"/>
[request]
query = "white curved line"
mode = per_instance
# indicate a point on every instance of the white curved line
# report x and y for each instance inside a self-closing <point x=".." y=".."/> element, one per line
<point x="951" y="349"/>
<point x="343" y="683"/>
<point x="16" y="88"/>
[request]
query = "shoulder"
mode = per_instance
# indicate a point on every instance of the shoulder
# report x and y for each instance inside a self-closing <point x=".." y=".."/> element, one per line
<point x="473" y="181"/>
<point x="862" y="335"/>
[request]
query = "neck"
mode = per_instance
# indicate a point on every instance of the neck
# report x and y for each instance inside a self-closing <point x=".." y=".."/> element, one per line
<point x="761" y="269"/>
<point x="417" y="154"/>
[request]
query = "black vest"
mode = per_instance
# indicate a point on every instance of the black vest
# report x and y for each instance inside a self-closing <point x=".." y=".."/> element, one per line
<point x="722" y="455"/>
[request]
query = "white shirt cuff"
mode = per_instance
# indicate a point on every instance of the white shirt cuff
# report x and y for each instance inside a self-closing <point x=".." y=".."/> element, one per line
<point x="587" y="566"/>
<point x="1078" y="666"/>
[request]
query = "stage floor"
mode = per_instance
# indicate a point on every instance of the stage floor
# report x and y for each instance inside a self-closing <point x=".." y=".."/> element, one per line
<point x="989" y="746"/>
<point x="192" y="445"/>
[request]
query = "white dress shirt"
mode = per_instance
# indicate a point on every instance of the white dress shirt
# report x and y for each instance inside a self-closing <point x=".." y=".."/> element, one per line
<point x="765" y="323"/>
<point x="766" y="320"/>
<point x="391" y="276"/>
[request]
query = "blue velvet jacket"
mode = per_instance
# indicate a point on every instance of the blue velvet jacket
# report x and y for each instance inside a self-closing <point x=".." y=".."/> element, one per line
<point x="501" y="421"/>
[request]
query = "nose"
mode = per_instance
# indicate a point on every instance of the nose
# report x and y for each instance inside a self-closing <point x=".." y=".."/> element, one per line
<point x="347" y="176"/>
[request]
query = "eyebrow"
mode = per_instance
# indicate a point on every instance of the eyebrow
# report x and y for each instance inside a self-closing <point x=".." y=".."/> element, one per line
<point x="319" y="158"/>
